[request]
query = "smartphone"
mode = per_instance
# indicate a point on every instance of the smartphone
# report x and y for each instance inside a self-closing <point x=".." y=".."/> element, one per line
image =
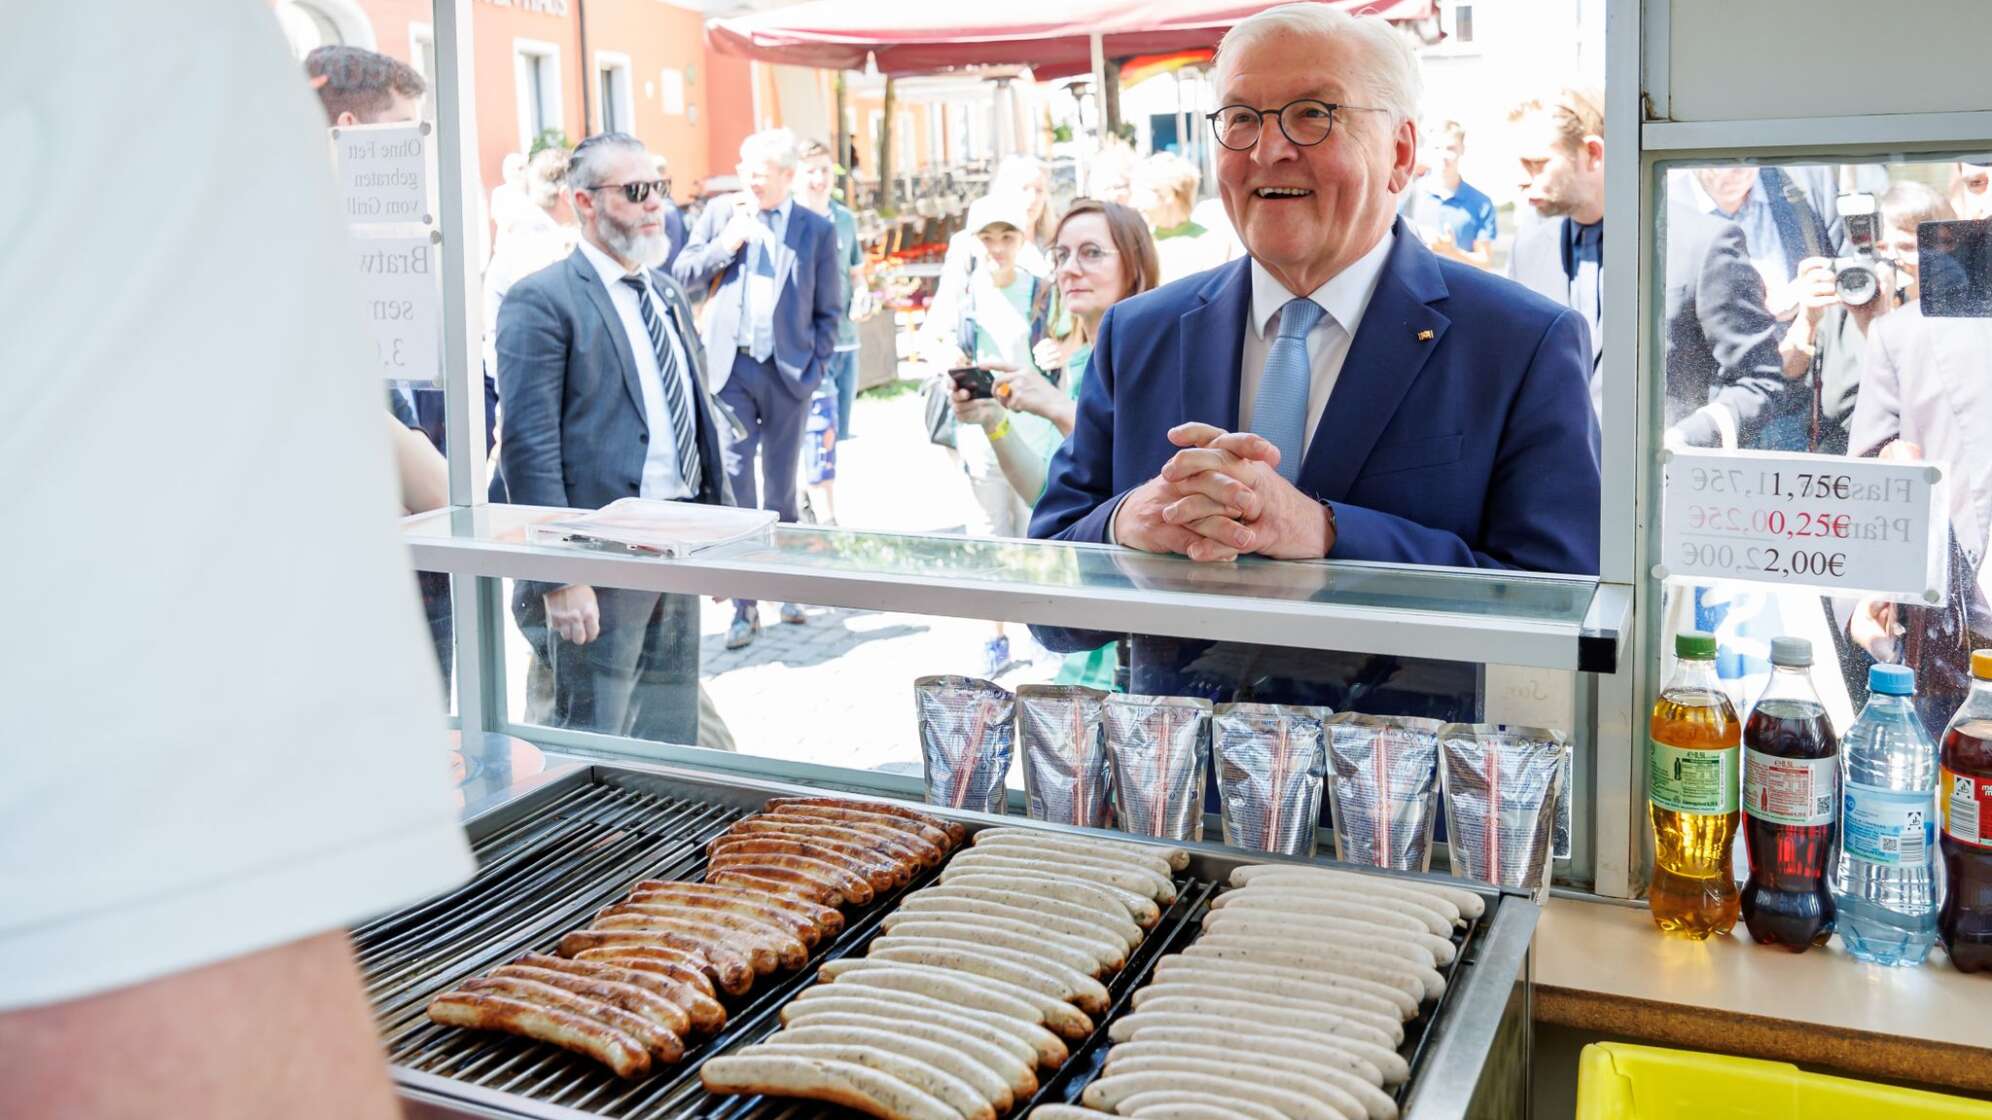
<point x="1955" y="277"/>
<point x="980" y="383"/>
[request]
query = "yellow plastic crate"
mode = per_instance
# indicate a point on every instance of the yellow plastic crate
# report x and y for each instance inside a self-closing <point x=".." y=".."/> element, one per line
<point x="1617" y="1081"/>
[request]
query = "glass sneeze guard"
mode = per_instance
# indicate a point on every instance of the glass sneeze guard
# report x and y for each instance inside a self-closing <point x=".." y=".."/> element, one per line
<point x="1558" y="622"/>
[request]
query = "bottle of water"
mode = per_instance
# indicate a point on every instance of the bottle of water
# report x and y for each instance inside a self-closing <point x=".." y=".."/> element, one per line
<point x="1884" y="876"/>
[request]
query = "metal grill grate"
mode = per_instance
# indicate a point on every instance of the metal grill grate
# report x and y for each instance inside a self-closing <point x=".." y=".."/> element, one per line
<point x="549" y="872"/>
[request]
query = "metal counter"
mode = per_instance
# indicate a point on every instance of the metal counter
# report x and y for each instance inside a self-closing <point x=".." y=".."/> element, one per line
<point x="575" y="837"/>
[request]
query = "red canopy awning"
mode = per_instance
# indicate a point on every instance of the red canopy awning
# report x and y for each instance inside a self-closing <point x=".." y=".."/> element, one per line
<point x="1053" y="37"/>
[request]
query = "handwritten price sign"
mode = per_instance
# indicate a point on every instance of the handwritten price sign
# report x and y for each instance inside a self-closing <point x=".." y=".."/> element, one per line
<point x="1807" y="522"/>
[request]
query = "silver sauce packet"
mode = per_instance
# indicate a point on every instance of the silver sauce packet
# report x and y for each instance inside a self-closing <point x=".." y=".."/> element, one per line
<point x="1062" y="739"/>
<point x="1157" y="751"/>
<point x="1270" y="761"/>
<point x="1501" y="786"/>
<point x="966" y="733"/>
<point x="1383" y="785"/>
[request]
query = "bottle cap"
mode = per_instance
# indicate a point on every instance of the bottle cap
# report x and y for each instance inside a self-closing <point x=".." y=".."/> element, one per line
<point x="1697" y="644"/>
<point x="1981" y="664"/>
<point x="1795" y="652"/>
<point x="1892" y="680"/>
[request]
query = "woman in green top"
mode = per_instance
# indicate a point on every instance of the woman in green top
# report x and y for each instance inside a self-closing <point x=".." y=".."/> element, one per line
<point x="1101" y="254"/>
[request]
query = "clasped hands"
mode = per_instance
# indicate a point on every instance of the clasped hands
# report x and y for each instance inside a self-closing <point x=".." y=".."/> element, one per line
<point x="1219" y="497"/>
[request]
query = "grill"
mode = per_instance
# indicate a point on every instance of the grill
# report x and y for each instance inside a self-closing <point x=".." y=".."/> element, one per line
<point x="567" y="851"/>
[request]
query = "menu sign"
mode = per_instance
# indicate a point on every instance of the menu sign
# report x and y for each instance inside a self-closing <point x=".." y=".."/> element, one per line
<point x="402" y="310"/>
<point x="383" y="173"/>
<point x="1806" y="522"/>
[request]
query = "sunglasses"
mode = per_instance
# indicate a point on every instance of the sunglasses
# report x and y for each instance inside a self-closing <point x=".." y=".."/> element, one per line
<point x="638" y="192"/>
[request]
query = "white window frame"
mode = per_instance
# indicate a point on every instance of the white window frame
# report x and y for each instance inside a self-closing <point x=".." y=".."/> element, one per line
<point x="671" y="91"/>
<point x="618" y="65"/>
<point x="550" y="107"/>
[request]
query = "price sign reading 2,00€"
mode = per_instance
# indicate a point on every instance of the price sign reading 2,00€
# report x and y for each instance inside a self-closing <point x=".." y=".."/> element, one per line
<point x="1807" y="522"/>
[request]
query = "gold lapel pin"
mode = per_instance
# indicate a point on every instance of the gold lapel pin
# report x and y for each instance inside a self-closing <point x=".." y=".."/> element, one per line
<point x="1424" y="336"/>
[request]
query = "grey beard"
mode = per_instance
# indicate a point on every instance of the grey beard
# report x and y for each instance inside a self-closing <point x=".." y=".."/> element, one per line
<point x="627" y="243"/>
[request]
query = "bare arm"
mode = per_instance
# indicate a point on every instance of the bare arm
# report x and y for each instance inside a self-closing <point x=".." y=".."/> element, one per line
<point x="284" y="1032"/>
<point x="424" y="473"/>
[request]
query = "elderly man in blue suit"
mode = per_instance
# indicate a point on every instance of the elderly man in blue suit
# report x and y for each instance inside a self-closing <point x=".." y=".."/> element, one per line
<point x="604" y="384"/>
<point x="1341" y="392"/>
<point x="772" y="327"/>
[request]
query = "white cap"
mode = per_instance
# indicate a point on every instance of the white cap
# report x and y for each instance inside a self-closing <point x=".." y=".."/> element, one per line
<point x="993" y="208"/>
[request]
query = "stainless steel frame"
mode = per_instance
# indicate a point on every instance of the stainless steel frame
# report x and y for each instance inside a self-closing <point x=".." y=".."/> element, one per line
<point x="1483" y="1015"/>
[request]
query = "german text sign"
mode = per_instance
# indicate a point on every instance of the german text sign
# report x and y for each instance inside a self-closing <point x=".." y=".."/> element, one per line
<point x="1807" y="522"/>
<point x="402" y="303"/>
<point x="383" y="173"/>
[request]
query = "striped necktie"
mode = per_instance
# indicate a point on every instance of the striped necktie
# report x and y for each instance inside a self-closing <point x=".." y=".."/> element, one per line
<point x="684" y="433"/>
<point x="1279" y="411"/>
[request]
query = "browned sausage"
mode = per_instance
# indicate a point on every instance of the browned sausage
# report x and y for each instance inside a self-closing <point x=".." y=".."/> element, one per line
<point x="894" y="842"/>
<point x="953" y="831"/>
<point x="688" y="965"/>
<point x="777" y="881"/>
<point x="848" y="887"/>
<point x="882" y="875"/>
<point x="717" y="940"/>
<point x="662" y="1044"/>
<point x="787" y="947"/>
<point x="925" y="833"/>
<point x="727" y="969"/>
<point x="565" y="1029"/>
<point x="629" y="997"/>
<point x="806" y="920"/>
<point x="691" y="993"/>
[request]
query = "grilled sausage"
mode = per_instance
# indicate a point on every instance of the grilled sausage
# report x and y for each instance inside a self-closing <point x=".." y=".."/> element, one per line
<point x="1326" y="940"/>
<point x="1284" y="903"/>
<point x="1010" y="1060"/>
<point x="688" y="966"/>
<point x="1357" y="962"/>
<point x="1134" y="880"/>
<point x="973" y="930"/>
<point x="788" y="948"/>
<point x="777" y="883"/>
<point x="1323" y="1020"/>
<point x="1432" y="913"/>
<point x="662" y="1044"/>
<point x="1318" y="1085"/>
<point x="891" y="843"/>
<point x="1259" y="923"/>
<point x="631" y="998"/>
<point x="1047" y="879"/>
<point x="881" y="875"/>
<point x="1389" y="1025"/>
<point x="727" y="969"/>
<point x="717" y="941"/>
<point x="952" y="831"/>
<point x="565" y="1029"/>
<point x="1027" y="847"/>
<point x="1469" y="903"/>
<point x="836" y="885"/>
<point x="1386" y="1059"/>
<point x="1177" y="858"/>
<point x="1327" y="989"/>
<point x="704" y="1013"/>
<point x="1313" y="1054"/>
<point x="991" y="1086"/>
<point x="1107" y="1093"/>
<point x="809" y="922"/>
<point x="899" y="833"/>
<point x="820" y="1079"/>
<point x="1348" y="1088"/>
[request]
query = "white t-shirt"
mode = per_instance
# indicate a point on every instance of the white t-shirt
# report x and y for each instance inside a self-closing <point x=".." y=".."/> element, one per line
<point x="220" y="724"/>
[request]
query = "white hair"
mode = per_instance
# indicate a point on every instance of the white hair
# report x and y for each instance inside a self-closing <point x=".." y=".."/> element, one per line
<point x="1391" y="77"/>
<point x="775" y="146"/>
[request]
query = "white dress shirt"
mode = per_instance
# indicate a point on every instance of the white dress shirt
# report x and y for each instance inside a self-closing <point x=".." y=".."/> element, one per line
<point x="761" y="290"/>
<point x="660" y="462"/>
<point x="1344" y="297"/>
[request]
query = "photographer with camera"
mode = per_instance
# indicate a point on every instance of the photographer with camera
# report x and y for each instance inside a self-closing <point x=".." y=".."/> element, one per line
<point x="1840" y="298"/>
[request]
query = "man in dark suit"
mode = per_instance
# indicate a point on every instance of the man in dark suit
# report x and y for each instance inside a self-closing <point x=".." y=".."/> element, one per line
<point x="1342" y="392"/>
<point x="604" y="383"/>
<point x="771" y="327"/>
<point x="1724" y="375"/>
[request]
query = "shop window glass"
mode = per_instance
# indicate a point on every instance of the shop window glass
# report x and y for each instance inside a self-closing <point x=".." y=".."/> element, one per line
<point x="1838" y="314"/>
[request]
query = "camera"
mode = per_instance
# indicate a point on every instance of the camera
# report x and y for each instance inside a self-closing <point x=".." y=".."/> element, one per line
<point x="1858" y="278"/>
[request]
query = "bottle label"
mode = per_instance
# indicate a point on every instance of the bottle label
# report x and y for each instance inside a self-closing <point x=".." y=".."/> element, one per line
<point x="1967" y="803"/>
<point x="1686" y="780"/>
<point x="1791" y="791"/>
<point x="1887" y="826"/>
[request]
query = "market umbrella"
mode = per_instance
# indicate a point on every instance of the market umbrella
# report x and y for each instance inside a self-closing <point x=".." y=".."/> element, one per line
<point x="1056" y="38"/>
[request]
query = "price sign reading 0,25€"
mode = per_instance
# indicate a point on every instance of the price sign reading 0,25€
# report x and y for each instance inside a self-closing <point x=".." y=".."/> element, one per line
<point x="1808" y="522"/>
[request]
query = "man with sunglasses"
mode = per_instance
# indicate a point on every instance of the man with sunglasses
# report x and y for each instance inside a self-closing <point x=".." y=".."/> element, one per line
<point x="604" y="387"/>
<point x="776" y="296"/>
<point x="1343" y="392"/>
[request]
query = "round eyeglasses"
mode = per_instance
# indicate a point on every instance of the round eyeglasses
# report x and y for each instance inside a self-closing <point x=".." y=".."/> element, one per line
<point x="1304" y="123"/>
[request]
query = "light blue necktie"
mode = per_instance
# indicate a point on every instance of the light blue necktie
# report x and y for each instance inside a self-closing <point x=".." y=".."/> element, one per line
<point x="760" y="321"/>
<point x="1279" y="411"/>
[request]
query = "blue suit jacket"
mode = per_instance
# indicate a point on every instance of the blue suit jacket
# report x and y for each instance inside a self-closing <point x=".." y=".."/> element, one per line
<point x="1472" y="447"/>
<point x="807" y="276"/>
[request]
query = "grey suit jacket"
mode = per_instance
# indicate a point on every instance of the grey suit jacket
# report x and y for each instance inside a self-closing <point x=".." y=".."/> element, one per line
<point x="808" y="278"/>
<point x="574" y="431"/>
<point x="1929" y="382"/>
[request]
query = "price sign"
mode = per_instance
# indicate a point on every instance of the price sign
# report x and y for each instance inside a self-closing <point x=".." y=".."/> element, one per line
<point x="383" y="173"/>
<point x="1807" y="522"/>
<point x="403" y="306"/>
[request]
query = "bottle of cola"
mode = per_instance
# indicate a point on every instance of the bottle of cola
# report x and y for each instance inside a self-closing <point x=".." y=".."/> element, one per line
<point x="1791" y="761"/>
